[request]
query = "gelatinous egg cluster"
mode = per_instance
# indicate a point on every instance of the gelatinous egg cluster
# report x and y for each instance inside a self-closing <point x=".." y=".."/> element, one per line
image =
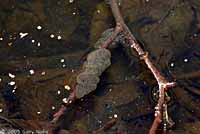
<point x="96" y="63"/>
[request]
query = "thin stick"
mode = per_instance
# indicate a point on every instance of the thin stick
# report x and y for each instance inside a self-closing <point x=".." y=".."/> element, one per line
<point x="60" y="112"/>
<point x="117" y="30"/>
<point x="9" y="121"/>
<point x="106" y="126"/>
<point x="162" y="82"/>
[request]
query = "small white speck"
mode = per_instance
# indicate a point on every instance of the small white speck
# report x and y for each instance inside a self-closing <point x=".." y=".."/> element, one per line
<point x="71" y="1"/>
<point x="110" y="117"/>
<point x="38" y="112"/>
<point x="158" y="112"/>
<point x="1" y="38"/>
<point x="59" y="37"/>
<point x="38" y="44"/>
<point x="74" y="13"/>
<point x="100" y="121"/>
<point x="33" y="41"/>
<point x="0" y="79"/>
<point x="115" y="115"/>
<point x="22" y="35"/>
<point x="15" y="87"/>
<point x="72" y="70"/>
<point x="1" y="110"/>
<point x="13" y="91"/>
<point x="43" y="73"/>
<point x="110" y="89"/>
<point x="63" y="65"/>
<point x="98" y="11"/>
<point x="70" y="101"/>
<point x="67" y="87"/>
<point x="147" y="0"/>
<point x="53" y="108"/>
<point x="65" y="100"/>
<point x="62" y="60"/>
<point x="172" y="64"/>
<point x="39" y="27"/>
<point x="31" y="72"/>
<point x="132" y="46"/>
<point x="185" y="60"/>
<point x="11" y="75"/>
<point x="12" y="83"/>
<point x="58" y="92"/>
<point x="52" y="36"/>
<point x="10" y="44"/>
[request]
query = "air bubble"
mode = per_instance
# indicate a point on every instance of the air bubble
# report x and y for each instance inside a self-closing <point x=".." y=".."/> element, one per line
<point x="39" y="27"/>
<point x="52" y="36"/>
<point x="115" y="115"/>
<point x="31" y="72"/>
<point x="67" y="87"/>
<point x="59" y="37"/>
<point x="71" y="1"/>
<point x="185" y="60"/>
<point x="65" y="100"/>
<point x="12" y="83"/>
<point x="58" y="92"/>
<point x="11" y="75"/>
<point x="172" y="64"/>
<point x="62" y="60"/>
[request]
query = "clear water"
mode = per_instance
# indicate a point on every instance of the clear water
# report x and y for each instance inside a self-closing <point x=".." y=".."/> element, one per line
<point x="42" y="48"/>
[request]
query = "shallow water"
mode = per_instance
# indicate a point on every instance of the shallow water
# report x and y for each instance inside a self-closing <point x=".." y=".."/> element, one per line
<point x="43" y="45"/>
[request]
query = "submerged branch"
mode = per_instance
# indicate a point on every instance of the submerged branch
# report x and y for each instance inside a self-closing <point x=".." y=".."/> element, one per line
<point x="97" y="63"/>
<point x="106" y="126"/>
<point x="164" y="84"/>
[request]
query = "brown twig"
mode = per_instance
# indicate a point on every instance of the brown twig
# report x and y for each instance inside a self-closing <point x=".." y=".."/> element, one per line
<point x="162" y="82"/>
<point x="106" y="126"/>
<point x="60" y="112"/>
<point x="72" y="96"/>
<point x="117" y="30"/>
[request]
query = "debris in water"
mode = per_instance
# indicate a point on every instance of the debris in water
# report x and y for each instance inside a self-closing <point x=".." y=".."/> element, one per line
<point x="22" y="35"/>
<point x="67" y="87"/>
<point x="33" y="41"/>
<point x="59" y="37"/>
<point x="52" y="36"/>
<point x="11" y="75"/>
<point x="1" y="110"/>
<point x="31" y="72"/>
<point x="12" y="83"/>
<point x="71" y="1"/>
<point x="39" y="27"/>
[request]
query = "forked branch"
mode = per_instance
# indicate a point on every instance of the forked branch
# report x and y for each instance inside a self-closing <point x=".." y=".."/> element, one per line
<point x="163" y="83"/>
